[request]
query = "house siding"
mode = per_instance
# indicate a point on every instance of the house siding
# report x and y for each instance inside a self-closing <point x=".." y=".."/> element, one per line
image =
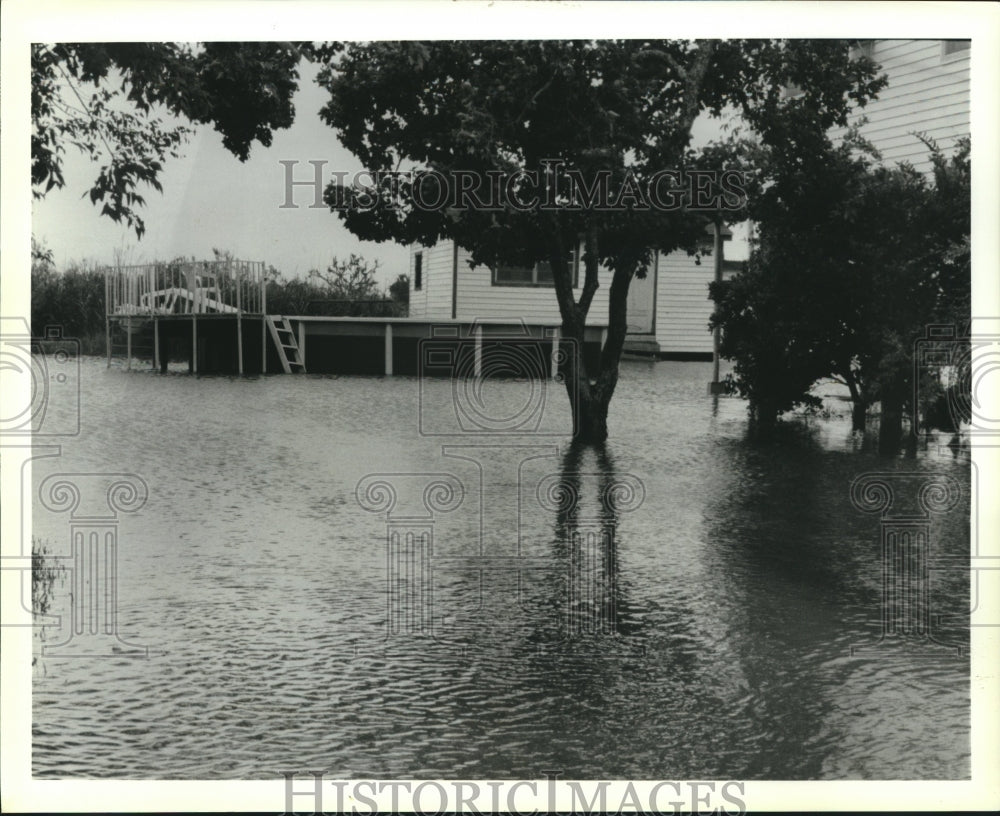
<point x="434" y="297"/>
<point x="682" y="304"/>
<point x="478" y="297"/>
<point x="927" y="93"/>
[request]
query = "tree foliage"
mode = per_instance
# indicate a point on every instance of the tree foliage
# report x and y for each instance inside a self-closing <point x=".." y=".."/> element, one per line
<point x="620" y="107"/>
<point x="122" y="105"/>
<point x="348" y="286"/>
<point x="399" y="291"/>
<point x="854" y="261"/>
<point x="353" y="278"/>
<point x="72" y="299"/>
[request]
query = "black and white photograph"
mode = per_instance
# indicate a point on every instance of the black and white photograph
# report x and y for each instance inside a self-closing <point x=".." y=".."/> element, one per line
<point x="515" y="406"/>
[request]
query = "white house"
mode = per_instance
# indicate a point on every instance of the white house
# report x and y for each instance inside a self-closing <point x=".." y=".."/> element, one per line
<point x="928" y="93"/>
<point x="669" y="309"/>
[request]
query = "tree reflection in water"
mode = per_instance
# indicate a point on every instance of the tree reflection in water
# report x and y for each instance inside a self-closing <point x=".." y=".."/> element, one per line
<point x="588" y="498"/>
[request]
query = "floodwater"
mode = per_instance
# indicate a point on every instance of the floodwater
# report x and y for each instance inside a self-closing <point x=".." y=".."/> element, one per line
<point x="348" y="574"/>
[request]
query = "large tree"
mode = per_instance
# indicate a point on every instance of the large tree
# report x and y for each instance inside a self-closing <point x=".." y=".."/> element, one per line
<point x="623" y="108"/>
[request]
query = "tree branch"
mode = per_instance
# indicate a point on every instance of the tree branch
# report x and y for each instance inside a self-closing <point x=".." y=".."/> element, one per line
<point x="681" y="71"/>
<point x="591" y="262"/>
<point x="693" y="79"/>
<point x="611" y="354"/>
<point x="562" y="279"/>
<point x="86" y="108"/>
<point x="537" y="94"/>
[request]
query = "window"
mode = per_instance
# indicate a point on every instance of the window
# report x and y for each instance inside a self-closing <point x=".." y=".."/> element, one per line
<point x="418" y="271"/>
<point x="955" y="49"/>
<point x="538" y="275"/>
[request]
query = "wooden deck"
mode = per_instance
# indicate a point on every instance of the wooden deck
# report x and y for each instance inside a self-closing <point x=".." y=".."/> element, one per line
<point x="223" y="343"/>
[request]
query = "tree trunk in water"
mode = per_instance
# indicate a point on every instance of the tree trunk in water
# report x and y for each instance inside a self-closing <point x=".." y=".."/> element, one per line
<point x="911" y="431"/>
<point x="859" y="416"/>
<point x="859" y="406"/>
<point x="890" y="428"/>
<point x="590" y="411"/>
<point x="590" y="396"/>
<point x="590" y="424"/>
<point x="763" y="420"/>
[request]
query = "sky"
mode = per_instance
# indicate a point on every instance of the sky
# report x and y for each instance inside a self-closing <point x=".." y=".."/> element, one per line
<point x="211" y="200"/>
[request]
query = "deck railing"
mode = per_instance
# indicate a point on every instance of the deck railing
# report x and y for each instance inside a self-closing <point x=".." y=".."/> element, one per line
<point x="185" y="287"/>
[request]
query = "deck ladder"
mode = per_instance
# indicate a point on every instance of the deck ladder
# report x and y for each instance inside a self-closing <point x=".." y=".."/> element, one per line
<point x="284" y="341"/>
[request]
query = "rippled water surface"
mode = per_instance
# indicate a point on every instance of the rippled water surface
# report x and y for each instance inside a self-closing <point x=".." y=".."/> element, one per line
<point x="697" y="622"/>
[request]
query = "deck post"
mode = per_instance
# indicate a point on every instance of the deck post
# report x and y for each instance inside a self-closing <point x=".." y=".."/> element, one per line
<point x="194" y="342"/>
<point x="479" y="350"/>
<point x="107" y="319"/>
<point x="263" y="324"/>
<point x="302" y="343"/>
<point x="156" y="343"/>
<point x="555" y="353"/>
<point x="388" y="349"/>
<point x="239" y="325"/>
<point x="128" y="343"/>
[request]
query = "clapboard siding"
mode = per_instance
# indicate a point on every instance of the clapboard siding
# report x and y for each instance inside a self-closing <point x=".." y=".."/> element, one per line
<point x="682" y="303"/>
<point x="897" y="49"/>
<point x="478" y="297"/>
<point x="935" y="105"/>
<point x="918" y="85"/>
<point x="434" y="297"/>
<point x="928" y="93"/>
<point x="891" y="134"/>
